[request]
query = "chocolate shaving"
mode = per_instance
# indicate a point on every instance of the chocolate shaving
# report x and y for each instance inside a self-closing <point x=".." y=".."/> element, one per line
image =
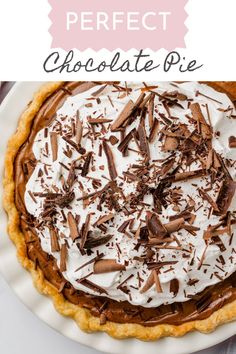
<point x="144" y="147"/>
<point x="99" y="91"/>
<point x="174" y="225"/>
<point x="113" y="140"/>
<point x="74" y="145"/>
<point x="186" y="215"/>
<point x="191" y="229"/>
<point x="63" y="257"/>
<point x="104" y="218"/>
<point x="89" y="284"/>
<point x="55" y="247"/>
<point x="107" y="266"/>
<point x="175" y="95"/>
<point x="166" y="166"/>
<point x="85" y="230"/>
<point x="197" y="113"/>
<point x="79" y="129"/>
<point x="71" y="176"/>
<point x="232" y="141"/>
<point x="199" y="117"/>
<point x="99" y="120"/>
<point x="95" y="242"/>
<point x="208" y="198"/>
<point x="226" y="195"/>
<point x="54" y="145"/>
<point x="154" y="131"/>
<point x="85" y="168"/>
<point x="149" y="283"/>
<point x="174" y="286"/>
<point x="155" y="227"/>
<point x="110" y="160"/>
<point x="123" y="116"/>
<point x="129" y="108"/>
<point x="198" y="93"/>
<point x="74" y="232"/>
<point x="181" y="176"/>
<point x="125" y="141"/>
<point x="150" y="110"/>
<point x="123" y="226"/>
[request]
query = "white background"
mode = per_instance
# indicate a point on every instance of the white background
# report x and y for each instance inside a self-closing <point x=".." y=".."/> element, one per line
<point x="25" y="43"/>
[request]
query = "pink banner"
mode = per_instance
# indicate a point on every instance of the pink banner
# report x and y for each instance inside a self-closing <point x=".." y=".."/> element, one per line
<point x="114" y="24"/>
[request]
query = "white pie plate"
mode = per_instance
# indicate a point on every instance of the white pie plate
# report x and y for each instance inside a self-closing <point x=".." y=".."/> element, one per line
<point x="21" y="282"/>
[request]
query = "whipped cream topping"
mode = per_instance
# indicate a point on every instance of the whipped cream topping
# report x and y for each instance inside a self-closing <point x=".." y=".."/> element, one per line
<point x="186" y="261"/>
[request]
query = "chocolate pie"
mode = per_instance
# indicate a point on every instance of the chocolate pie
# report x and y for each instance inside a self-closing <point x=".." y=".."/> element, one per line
<point x="121" y="203"/>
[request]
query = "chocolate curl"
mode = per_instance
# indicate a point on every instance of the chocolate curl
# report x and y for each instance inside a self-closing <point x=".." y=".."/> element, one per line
<point x="197" y="113"/>
<point x="79" y="129"/>
<point x="174" y="286"/>
<point x="150" y="110"/>
<point x="113" y="140"/>
<point x="99" y="120"/>
<point x="155" y="226"/>
<point x="55" y="247"/>
<point x="174" y="225"/>
<point x="85" y="230"/>
<point x="232" y="142"/>
<point x="145" y="100"/>
<point x="199" y="117"/>
<point x="123" y="116"/>
<point x="110" y="160"/>
<point x="107" y="266"/>
<point x="54" y="145"/>
<point x="74" y="232"/>
<point x="129" y="108"/>
<point x="63" y="257"/>
<point x="104" y="218"/>
<point x="226" y="195"/>
<point x="122" y="147"/>
<point x="149" y="283"/>
<point x="99" y="91"/>
<point x="144" y="147"/>
<point x="208" y="198"/>
<point x="181" y="176"/>
<point x="85" y="168"/>
<point x="95" y="242"/>
<point x="154" y="131"/>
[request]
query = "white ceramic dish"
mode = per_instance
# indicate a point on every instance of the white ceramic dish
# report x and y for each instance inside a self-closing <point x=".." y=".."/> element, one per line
<point x="21" y="282"/>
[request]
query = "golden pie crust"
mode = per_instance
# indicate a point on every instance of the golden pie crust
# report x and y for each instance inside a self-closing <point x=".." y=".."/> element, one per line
<point x="82" y="316"/>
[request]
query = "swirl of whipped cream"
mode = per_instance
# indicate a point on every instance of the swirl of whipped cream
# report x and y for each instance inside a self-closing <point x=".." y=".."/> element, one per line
<point x="187" y="263"/>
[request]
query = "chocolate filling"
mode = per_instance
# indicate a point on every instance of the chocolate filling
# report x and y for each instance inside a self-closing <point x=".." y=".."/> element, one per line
<point x="198" y="307"/>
